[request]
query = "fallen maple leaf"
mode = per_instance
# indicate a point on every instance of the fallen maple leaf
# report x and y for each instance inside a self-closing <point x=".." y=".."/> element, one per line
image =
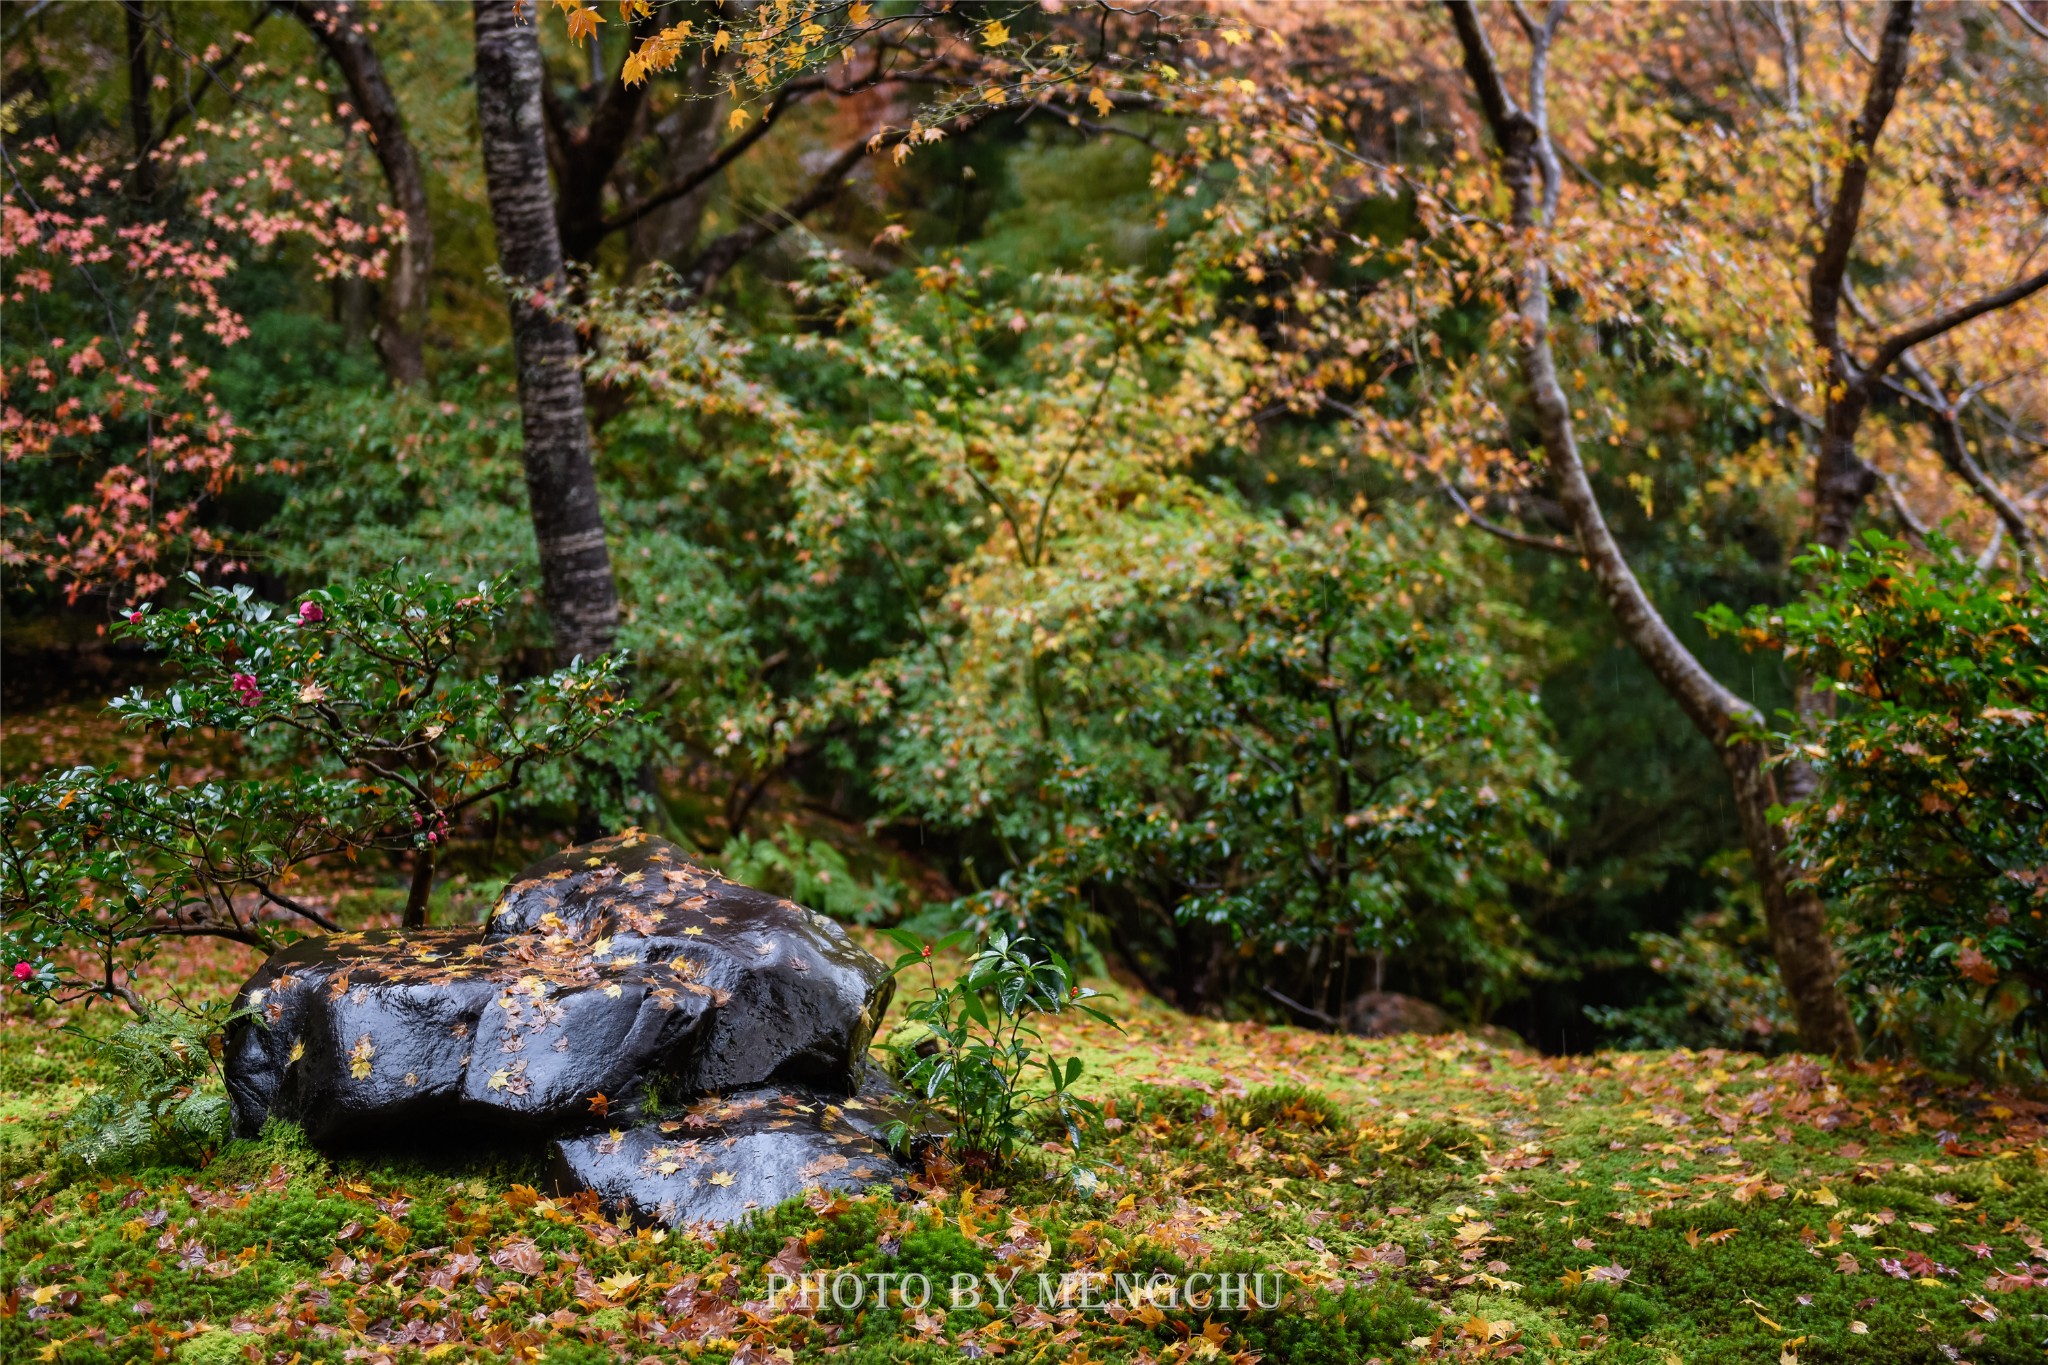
<point x="521" y="1257"/>
<point x="618" y="1286"/>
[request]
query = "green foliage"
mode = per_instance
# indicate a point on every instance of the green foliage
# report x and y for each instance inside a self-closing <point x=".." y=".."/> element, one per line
<point x="1299" y="742"/>
<point x="1932" y="759"/>
<point x="977" y="1054"/>
<point x="1725" y="989"/>
<point x="1352" y="1324"/>
<point x="161" y="1099"/>
<point x="376" y="720"/>
<point x="813" y="872"/>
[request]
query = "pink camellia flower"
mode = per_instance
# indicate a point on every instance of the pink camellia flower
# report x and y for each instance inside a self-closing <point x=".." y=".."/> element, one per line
<point x="134" y="618"/>
<point x="23" y="971"/>
<point x="246" y="689"/>
<point x="310" y="614"/>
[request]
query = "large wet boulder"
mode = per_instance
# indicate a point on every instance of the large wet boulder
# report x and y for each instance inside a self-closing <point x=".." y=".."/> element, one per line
<point x="610" y="978"/>
<point x="720" y="1158"/>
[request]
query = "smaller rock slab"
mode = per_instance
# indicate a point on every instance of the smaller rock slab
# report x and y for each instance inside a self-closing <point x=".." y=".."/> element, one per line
<point x="718" y="1160"/>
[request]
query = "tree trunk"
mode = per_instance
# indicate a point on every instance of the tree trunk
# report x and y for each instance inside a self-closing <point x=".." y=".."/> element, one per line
<point x="422" y="888"/>
<point x="1797" y="921"/>
<point x="402" y="314"/>
<point x="141" y="118"/>
<point x="576" y="568"/>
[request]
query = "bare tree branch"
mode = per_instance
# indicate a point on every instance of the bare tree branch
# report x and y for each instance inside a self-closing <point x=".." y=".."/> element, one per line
<point x="2028" y="21"/>
<point x="728" y="249"/>
<point x="1848" y="34"/>
<point x="1547" y="544"/>
<point x="1955" y="453"/>
<point x="1824" y="282"/>
<point x="718" y="161"/>
<point x="1898" y="344"/>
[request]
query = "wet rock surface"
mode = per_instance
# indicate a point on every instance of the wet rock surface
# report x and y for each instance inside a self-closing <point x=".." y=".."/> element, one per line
<point x="722" y="1157"/>
<point x="611" y="978"/>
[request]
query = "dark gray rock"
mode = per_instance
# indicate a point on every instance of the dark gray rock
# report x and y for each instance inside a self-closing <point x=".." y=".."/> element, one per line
<point x="608" y="974"/>
<point x="796" y="999"/>
<point x="721" y="1158"/>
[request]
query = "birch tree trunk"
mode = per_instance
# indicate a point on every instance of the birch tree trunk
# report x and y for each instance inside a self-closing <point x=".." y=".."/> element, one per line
<point x="1797" y="918"/>
<point x="561" y="486"/>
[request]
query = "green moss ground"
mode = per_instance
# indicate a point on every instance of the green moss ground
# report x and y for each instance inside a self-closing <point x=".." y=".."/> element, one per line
<point x="1426" y="1198"/>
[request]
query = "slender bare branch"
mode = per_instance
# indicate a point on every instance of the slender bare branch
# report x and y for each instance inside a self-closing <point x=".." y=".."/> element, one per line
<point x="1845" y="216"/>
<point x="2027" y="21"/>
<point x="1849" y="35"/>
<point x="1898" y="344"/>
<point x="1955" y="453"/>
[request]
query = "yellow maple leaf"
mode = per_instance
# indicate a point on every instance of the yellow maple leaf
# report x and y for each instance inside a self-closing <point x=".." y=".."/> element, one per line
<point x="1100" y="102"/>
<point x="619" y="1285"/>
<point x="995" y="33"/>
<point x="499" y="1079"/>
<point x="298" y="1051"/>
<point x="721" y="40"/>
<point x="858" y="12"/>
<point x="583" y="23"/>
<point x="737" y="119"/>
<point x="722" y="1178"/>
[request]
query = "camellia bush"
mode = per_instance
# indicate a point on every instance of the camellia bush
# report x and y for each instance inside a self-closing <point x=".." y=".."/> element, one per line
<point x="377" y="718"/>
<point x="1930" y="823"/>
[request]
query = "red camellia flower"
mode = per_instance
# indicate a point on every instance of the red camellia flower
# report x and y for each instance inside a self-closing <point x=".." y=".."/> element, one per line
<point x="134" y="618"/>
<point x="246" y="689"/>
<point x="23" y="971"/>
<point x="310" y="614"/>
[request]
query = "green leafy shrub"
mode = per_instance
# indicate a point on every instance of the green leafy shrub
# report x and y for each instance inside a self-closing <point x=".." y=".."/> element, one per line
<point x="1264" y="757"/>
<point x="977" y="1051"/>
<point x="1932" y="759"/>
<point x="377" y="721"/>
<point x="812" y="872"/>
<point x="162" y="1100"/>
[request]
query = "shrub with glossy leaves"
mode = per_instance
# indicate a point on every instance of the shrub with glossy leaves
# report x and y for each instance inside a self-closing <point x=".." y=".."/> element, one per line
<point x="378" y="721"/>
<point x="1930" y="823"/>
<point x="977" y="1055"/>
